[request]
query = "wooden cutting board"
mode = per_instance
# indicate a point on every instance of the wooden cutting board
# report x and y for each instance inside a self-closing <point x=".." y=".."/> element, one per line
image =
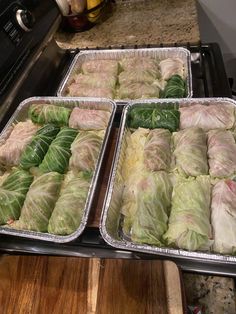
<point x="47" y="284"/>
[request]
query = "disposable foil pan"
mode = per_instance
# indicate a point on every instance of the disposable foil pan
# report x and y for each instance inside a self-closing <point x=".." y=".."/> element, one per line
<point x="110" y="219"/>
<point x="117" y="54"/>
<point x="21" y="114"/>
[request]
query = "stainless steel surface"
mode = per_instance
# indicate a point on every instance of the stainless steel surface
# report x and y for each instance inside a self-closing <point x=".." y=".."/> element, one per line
<point x="110" y="219"/>
<point x="87" y="103"/>
<point x="117" y="54"/>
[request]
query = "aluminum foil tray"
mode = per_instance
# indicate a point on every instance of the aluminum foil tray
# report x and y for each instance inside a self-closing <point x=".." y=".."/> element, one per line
<point x="110" y="220"/>
<point x="160" y="53"/>
<point x="21" y="114"/>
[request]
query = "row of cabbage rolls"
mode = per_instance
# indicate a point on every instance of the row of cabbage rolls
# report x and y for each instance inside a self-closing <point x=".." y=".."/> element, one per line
<point x="129" y="78"/>
<point x="48" y="162"/>
<point x="178" y="188"/>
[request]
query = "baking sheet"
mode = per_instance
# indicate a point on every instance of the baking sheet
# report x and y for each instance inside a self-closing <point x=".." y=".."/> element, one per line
<point x="117" y="54"/>
<point x="110" y="219"/>
<point x="87" y="103"/>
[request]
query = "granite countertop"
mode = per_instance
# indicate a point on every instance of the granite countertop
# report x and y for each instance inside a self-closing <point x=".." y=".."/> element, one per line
<point x="138" y="22"/>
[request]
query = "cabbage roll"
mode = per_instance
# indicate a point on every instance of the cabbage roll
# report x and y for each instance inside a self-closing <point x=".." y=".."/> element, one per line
<point x="189" y="223"/>
<point x="45" y="113"/>
<point x="100" y="66"/>
<point x="12" y="194"/>
<point x="36" y="150"/>
<point x="170" y="67"/>
<point x="150" y="205"/>
<point x="39" y="203"/>
<point x="85" y="150"/>
<point x="157" y="152"/>
<point x="144" y="63"/>
<point x="223" y="216"/>
<point x="191" y="152"/>
<point x="175" y="88"/>
<point x="58" y="154"/>
<point x="137" y="75"/>
<point x="221" y="153"/>
<point x="89" y="119"/>
<point x="77" y="89"/>
<point x="67" y="214"/>
<point x="138" y="90"/>
<point x="155" y="118"/>
<point x="96" y="80"/>
<point x="15" y="144"/>
<point x="207" y="117"/>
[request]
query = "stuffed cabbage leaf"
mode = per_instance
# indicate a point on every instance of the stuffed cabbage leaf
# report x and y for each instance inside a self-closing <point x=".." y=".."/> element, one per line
<point x="152" y="204"/>
<point x="157" y="152"/>
<point x="58" y="154"/>
<point x="69" y="208"/>
<point x="36" y="150"/>
<point x="134" y="90"/>
<point x="207" y="117"/>
<point x="19" y="138"/>
<point x="45" y="113"/>
<point x="137" y="75"/>
<point x="191" y="152"/>
<point x="170" y="67"/>
<point x="100" y="66"/>
<point x="12" y="194"/>
<point x="189" y="223"/>
<point x="96" y="80"/>
<point x="223" y="216"/>
<point x="85" y="150"/>
<point x="89" y="119"/>
<point x="136" y="63"/>
<point x="82" y="90"/>
<point x="155" y="118"/>
<point x="221" y="153"/>
<point x="175" y="88"/>
<point x="39" y="203"/>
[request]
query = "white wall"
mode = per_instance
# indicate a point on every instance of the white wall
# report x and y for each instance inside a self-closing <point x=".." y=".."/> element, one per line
<point x="217" y="21"/>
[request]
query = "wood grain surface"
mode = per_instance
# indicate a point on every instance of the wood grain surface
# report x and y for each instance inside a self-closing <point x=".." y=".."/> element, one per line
<point x="47" y="284"/>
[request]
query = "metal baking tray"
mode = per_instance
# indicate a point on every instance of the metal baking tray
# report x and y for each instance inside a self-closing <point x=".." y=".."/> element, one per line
<point x="21" y="114"/>
<point x="160" y="53"/>
<point x="110" y="219"/>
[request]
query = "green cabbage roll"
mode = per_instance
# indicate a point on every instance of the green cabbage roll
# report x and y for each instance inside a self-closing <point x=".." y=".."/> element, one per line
<point x="36" y="150"/>
<point x="134" y="90"/>
<point x="58" y="154"/>
<point x="175" y="88"/>
<point x="39" y="203"/>
<point x="12" y="194"/>
<point x="45" y="113"/>
<point x="153" y="204"/>
<point x="155" y="118"/>
<point x="69" y="209"/>
<point x="157" y="152"/>
<point x="189" y="222"/>
<point x="191" y="152"/>
<point x="85" y="150"/>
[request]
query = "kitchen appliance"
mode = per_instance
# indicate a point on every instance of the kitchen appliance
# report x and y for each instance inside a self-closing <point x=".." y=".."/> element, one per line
<point x="34" y="65"/>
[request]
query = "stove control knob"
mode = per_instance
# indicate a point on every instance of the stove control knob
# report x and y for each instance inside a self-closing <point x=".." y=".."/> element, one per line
<point x="25" y="20"/>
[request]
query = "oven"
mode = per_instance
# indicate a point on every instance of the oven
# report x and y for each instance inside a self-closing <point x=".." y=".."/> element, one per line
<point x="32" y="64"/>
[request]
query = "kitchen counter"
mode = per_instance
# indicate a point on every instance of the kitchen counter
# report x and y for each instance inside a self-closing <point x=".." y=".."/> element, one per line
<point x="138" y="22"/>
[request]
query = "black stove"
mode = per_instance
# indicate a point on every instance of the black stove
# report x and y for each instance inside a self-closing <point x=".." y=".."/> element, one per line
<point x="31" y="64"/>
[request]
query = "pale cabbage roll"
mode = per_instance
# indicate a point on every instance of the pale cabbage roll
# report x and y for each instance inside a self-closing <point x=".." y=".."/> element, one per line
<point x="99" y="66"/>
<point x="189" y="222"/>
<point x="137" y="75"/>
<point x="207" y="117"/>
<point x="134" y="63"/>
<point x="84" y="90"/>
<point x="15" y="144"/>
<point x="85" y="150"/>
<point x="221" y="153"/>
<point x="157" y="150"/>
<point x="89" y="119"/>
<point x="138" y="90"/>
<point x="97" y="80"/>
<point x="170" y="67"/>
<point x="223" y="216"/>
<point x="191" y="152"/>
